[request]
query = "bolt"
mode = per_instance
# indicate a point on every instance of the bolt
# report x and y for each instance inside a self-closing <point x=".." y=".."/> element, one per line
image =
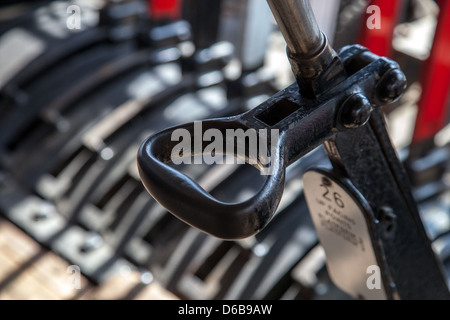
<point x="91" y="242"/>
<point x="44" y="211"/>
<point x="355" y="111"/>
<point x="260" y="250"/>
<point x="388" y="222"/>
<point x="107" y="153"/>
<point x="326" y="181"/>
<point x="391" y="86"/>
<point x="146" y="277"/>
<point x="321" y="289"/>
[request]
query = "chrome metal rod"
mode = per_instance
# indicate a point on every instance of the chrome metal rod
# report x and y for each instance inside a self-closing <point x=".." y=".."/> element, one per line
<point x="298" y="25"/>
<point x="308" y="48"/>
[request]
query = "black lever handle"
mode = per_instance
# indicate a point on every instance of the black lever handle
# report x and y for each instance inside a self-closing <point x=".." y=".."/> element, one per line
<point x="302" y="125"/>
<point x="191" y="203"/>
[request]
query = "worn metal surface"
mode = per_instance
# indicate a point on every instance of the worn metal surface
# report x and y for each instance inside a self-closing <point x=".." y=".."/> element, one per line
<point x="345" y="93"/>
<point x="308" y="49"/>
<point x="370" y="162"/>
<point x="303" y="124"/>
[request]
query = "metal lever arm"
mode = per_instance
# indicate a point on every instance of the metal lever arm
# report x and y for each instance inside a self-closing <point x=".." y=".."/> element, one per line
<point x="302" y="124"/>
<point x="336" y="109"/>
<point x="191" y="203"/>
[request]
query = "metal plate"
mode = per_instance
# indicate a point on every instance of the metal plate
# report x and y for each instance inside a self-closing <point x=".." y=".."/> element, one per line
<point x="17" y="48"/>
<point x="339" y="215"/>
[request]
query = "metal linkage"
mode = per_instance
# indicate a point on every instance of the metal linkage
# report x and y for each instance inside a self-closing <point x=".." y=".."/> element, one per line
<point x="303" y="125"/>
<point x="335" y="104"/>
<point x="306" y="43"/>
<point x="308" y="49"/>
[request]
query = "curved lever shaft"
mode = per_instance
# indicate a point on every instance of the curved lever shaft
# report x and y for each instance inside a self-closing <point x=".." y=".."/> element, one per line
<point x="187" y="200"/>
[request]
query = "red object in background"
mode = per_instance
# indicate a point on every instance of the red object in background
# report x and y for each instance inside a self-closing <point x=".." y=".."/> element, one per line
<point x="165" y="9"/>
<point x="379" y="40"/>
<point x="433" y="110"/>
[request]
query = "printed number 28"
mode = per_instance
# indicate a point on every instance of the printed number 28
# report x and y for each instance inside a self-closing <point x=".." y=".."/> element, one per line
<point x="336" y="196"/>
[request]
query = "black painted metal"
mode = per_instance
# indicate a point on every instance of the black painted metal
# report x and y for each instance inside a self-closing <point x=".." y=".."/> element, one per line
<point x="66" y="196"/>
<point x="368" y="159"/>
<point x="303" y="124"/>
<point x="363" y="152"/>
<point x="203" y="15"/>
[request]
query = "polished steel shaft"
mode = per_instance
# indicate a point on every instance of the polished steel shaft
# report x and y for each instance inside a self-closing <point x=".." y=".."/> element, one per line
<point x="308" y="48"/>
<point x="298" y="25"/>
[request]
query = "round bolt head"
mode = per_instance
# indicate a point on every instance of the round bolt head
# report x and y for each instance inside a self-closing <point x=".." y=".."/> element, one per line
<point x="44" y="211"/>
<point x="388" y="222"/>
<point x="391" y="86"/>
<point x="91" y="242"/>
<point x="355" y="111"/>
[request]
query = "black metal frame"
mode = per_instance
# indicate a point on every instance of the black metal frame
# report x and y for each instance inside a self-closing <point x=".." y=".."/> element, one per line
<point x="337" y="107"/>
